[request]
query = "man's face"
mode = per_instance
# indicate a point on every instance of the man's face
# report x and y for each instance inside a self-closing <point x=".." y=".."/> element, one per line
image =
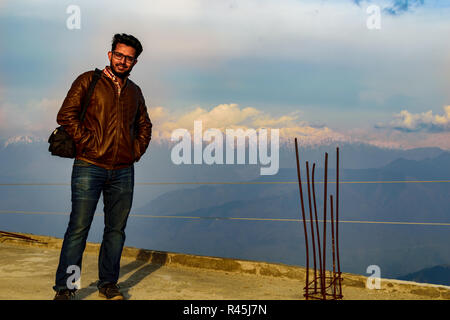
<point x="121" y="66"/>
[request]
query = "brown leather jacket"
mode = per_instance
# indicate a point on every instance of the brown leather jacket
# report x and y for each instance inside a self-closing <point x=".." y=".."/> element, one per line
<point x="116" y="130"/>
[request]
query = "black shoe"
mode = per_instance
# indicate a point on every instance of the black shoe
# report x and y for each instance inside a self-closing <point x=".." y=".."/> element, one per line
<point x="110" y="291"/>
<point x="65" y="294"/>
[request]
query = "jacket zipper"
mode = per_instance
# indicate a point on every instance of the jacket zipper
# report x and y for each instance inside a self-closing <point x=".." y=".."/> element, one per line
<point x="118" y="128"/>
<point x="120" y="120"/>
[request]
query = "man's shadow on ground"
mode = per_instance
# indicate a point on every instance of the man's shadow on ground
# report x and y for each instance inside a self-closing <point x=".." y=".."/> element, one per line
<point x="156" y="259"/>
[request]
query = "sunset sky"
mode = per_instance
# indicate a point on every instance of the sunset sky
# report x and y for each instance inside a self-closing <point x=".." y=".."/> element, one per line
<point x="311" y="68"/>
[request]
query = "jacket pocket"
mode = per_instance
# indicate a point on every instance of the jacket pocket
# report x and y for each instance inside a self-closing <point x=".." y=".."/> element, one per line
<point x="136" y="150"/>
<point x="87" y="142"/>
<point x="91" y="148"/>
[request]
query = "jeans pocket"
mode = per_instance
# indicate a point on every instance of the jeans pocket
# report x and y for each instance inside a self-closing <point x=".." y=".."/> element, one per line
<point x="81" y="163"/>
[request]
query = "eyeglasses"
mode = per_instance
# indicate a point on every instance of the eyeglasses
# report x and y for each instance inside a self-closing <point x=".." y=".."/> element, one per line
<point x="119" y="56"/>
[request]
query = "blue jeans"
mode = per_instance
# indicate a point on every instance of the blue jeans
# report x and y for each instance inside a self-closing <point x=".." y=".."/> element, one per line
<point x="88" y="181"/>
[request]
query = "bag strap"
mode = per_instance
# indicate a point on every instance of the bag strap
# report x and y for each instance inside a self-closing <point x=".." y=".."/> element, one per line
<point x="97" y="75"/>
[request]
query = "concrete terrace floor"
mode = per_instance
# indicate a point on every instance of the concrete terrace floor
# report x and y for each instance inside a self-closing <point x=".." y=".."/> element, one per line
<point x="28" y="265"/>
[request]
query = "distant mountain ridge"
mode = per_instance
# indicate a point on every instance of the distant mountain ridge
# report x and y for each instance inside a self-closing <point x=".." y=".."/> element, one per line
<point x="432" y="168"/>
<point x="434" y="275"/>
<point x="395" y="248"/>
<point x="437" y="168"/>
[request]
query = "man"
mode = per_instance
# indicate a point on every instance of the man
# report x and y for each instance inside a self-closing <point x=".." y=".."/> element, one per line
<point x="115" y="133"/>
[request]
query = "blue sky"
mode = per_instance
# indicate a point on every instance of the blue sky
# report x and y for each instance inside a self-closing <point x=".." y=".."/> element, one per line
<point x="309" y="67"/>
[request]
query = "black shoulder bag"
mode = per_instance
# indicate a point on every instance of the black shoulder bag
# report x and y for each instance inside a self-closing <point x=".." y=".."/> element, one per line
<point x="61" y="143"/>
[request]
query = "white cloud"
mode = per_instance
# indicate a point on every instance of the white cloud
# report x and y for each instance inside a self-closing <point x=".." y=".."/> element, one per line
<point x="205" y="31"/>
<point x="35" y="118"/>
<point x="231" y="116"/>
<point x="425" y="121"/>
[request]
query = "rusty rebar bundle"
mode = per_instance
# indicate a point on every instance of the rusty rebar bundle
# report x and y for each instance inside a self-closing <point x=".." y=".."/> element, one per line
<point x="4" y="235"/>
<point x="322" y="286"/>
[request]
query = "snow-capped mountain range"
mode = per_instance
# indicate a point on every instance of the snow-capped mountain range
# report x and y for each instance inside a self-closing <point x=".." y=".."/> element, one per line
<point x="21" y="139"/>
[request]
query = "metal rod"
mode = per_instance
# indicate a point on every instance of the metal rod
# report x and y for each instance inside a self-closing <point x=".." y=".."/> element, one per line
<point x="312" y="228"/>
<point x="321" y="271"/>
<point x="325" y="220"/>
<point x="18" y="236"/>
<point x="304" y="219"/>
<point x="333" y="277"/>
<point x="337" y="221"/>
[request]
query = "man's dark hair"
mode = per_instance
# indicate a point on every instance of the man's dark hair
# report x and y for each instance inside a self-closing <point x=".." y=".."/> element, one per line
<point x="128" y="40"/>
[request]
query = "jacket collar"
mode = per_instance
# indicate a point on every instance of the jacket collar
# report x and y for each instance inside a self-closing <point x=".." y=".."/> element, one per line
<point x="108" y="72"/>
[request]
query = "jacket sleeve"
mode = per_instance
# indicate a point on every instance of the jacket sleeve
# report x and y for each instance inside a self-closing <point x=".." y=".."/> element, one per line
<point x="143" y="129"/>
<point x="69" y="113"/>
